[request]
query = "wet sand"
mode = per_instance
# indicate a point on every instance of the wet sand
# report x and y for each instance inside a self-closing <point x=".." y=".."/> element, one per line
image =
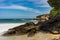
<point x="38" y="36"/>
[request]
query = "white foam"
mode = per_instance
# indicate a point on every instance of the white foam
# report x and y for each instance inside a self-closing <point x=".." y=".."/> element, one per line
<point x="5" y="26"/>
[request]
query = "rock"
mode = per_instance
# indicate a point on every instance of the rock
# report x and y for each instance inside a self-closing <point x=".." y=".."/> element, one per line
<point x="52" y="25"/>
<point x="22" y="29"/>
<point x="42" y="18"/>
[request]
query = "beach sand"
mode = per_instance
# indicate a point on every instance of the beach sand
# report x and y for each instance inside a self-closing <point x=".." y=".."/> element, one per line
<point x="37" y="36"/>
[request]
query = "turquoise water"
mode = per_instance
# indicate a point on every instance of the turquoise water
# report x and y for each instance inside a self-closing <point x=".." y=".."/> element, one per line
<point x="21" y="20"/>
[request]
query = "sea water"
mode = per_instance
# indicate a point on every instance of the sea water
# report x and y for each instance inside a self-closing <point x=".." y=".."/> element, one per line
<point x="21" y="20"/>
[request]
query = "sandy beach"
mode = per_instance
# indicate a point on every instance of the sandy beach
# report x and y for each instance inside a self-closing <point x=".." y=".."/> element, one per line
<point x="38" y="36"/>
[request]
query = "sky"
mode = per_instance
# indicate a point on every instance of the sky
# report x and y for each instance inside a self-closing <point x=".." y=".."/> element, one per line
<point x="23" y="8"/>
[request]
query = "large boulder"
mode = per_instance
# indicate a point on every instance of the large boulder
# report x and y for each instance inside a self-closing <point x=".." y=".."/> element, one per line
<point x="52" y="25"/>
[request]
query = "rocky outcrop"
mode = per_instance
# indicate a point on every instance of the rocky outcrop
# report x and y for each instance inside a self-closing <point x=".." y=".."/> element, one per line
<point x="52" y="25"/>
<point x="29" y="28"/>
<point x="22" y="29"/>
<point x="42" y="18"/>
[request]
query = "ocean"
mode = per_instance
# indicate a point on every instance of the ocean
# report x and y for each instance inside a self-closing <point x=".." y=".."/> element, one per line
<point x="21" y="20"/>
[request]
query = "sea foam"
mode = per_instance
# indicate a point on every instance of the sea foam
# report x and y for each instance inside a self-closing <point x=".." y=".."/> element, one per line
<point x="5" y="26"/>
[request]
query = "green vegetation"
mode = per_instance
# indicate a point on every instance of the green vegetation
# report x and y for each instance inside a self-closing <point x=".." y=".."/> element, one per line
<point x="55" y="4"/>
<point x="53" y="12"/>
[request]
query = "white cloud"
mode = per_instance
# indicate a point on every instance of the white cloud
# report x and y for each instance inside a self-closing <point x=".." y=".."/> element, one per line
<point x="21" y="8"/>
<point x="43" y="6"/>
<point x="36" y="3"/>
<point x="40" y="3"/>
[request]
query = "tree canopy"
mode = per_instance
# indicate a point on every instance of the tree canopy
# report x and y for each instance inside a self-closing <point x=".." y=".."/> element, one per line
<point x="54" y="3"/>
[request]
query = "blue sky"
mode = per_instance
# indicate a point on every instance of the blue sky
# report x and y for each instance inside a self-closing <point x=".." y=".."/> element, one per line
<point x="23" y="8"/>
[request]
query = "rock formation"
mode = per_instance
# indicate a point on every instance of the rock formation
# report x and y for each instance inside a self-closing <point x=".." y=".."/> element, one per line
<point x="42" y="18"/>
<point x="22" y="29"/>
<point x="52" y="25"/>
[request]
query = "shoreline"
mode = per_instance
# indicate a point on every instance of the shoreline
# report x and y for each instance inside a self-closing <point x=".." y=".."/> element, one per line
<point x="5" y="26"/>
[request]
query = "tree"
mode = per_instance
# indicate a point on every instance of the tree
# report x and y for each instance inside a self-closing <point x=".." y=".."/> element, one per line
<point x="54" y="3"/>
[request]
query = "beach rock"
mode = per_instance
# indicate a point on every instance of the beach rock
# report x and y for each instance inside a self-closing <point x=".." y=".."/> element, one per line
<point x="22" y="29"/>
<point x="52" y="25"/>
<point x="42" y="18"/>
